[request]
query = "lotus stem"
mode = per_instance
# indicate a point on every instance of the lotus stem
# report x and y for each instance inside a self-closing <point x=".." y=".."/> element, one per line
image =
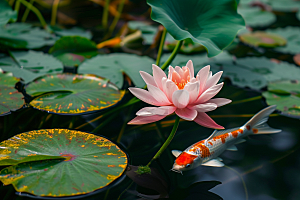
<point x="247" y="100"/>
<point x="161" y="45"/>
<point x="27" y="11"/>
<point x="172" y="56"/>
<point x="116" y="19"/>
<point x="168" y="141"/>
<point x="17" y="6"/>
<point x="35" y="10"/>
<point x="105" y="14"/>
<point x="54" y="12"/>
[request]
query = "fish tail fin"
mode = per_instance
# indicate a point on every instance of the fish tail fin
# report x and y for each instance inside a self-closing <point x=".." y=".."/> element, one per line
<point x="258" y="123"/>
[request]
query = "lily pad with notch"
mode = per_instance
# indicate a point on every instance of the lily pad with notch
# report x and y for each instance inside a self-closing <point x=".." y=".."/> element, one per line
<point x="79" y="163"/>
<point x="73" y="93"/>
<point x="198" y="20"/>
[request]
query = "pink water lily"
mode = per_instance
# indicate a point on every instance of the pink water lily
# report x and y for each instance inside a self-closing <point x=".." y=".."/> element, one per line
<point x="189" y="97"/>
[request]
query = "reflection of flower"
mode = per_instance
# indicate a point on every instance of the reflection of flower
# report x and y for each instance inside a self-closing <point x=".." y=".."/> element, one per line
<point x="180" y="92"/>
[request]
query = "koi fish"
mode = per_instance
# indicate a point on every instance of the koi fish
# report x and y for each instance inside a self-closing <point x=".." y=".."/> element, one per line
<point x="206" y="151"/>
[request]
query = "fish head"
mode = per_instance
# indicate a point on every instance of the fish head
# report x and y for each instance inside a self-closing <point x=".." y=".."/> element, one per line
<point x="185" y="161"/>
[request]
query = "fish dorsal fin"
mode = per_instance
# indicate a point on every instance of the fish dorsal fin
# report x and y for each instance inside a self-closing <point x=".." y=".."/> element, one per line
<point x="221" y="132"/>
<point x="214" y="163"/>
<point x="232" y="148"/>
<point x="176" y="153"/>
<point x="240" y="141"/>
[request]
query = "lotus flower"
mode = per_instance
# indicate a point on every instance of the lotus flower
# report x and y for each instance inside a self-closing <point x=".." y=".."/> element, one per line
<point x="189" y="97"/>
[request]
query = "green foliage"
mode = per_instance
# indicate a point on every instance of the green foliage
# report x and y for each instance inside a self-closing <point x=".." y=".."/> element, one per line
<point x="6" y="13"/>
<point x="74" y="31"/>
<point x="198" y="20"/>
<point x="29" y="65"/>
<point x="6" y="79"/>
<point x="73" y="50"/>
<point x="254" y="16"/>
<point x="90" y="162"/>
<point x="262" y="39"/>
<point x="24" y="36"/>
<point x="113" y="66"/>
<point x="10" y="99"/>
<point x="143" y="170"/>
<point x="73" y="93"/>
<point x="286" y="95"/>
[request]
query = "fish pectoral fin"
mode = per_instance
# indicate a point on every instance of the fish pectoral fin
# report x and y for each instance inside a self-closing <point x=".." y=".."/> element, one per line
<point x="214" y="163"/>
<point x="232" y="148"/>
<point x="240" y="141"/>
<point x="176" y="153"/>
<point x="219" y="159"/>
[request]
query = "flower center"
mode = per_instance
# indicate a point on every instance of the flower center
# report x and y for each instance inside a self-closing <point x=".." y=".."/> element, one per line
<point x="181" y="78"/>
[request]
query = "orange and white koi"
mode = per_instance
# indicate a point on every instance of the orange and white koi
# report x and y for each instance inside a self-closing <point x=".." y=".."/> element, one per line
<point x="206" y="151"/>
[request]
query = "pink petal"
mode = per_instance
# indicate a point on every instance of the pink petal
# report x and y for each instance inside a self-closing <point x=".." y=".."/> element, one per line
<point x="163" y="110"/>
<point x="193" y="89"/>
<point x="186" y="113"/>
<point x="149" y="80"/>
<point x="159" y="95"/>
<point x="163" y="83"/>
<point x="144" y="95"/>
<point x="219" y="101"/>
<point x="147" y="119"/>
<point x="202" y="77"/>
<point x="169" y="88"/>
<point x="176" y="77"/>
<point x="204" y="120"/>
<point x="205" y="107"/>
<point x="180" y="98"/>
<point x="171" y="70"/>
<point x="179" y="70"/>
<point x="213" y="80"/>
<point x="209" y="93"/>
<point x="158" y="74"/>
<point x="189" y="65"/>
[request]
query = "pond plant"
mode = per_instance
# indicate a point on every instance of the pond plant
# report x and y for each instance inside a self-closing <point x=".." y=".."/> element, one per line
<point x="77" y="78"/>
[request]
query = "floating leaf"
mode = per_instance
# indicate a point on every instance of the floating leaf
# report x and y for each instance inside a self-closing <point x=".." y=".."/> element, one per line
<point x="291" y="34"/>
<point x="113" y="65"/>
<point x="198" y="20"/>
<point x="73" y="93"/>
<point x="10" y="99"/>
<point x="22" y="35"/>
<point x="74" y="31"/>
<point x="284" y="5"/>
<point x="73" y="50"/>
<point x="296" y="59"/>
<point x="148" y="31"/>
<point x="262" y="39"/>
<point x="6" y="13"/>
<point x="286" y="95"/>
<point x="6" y="79"/>
<point x="91" y="162"/>
<point x="187" y="47"/>
<point x="254" y="16"/>
<point x="29" y="65"/>
<point x="298" y="15"/>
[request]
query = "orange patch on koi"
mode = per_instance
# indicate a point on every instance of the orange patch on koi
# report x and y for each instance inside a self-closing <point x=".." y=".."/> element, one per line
<point x="255" y="130"/>
<point x="248" y="127"/>
<point x="235" y="133"/>
<point x="222" y="137"/>
<point x="185" y="158"/>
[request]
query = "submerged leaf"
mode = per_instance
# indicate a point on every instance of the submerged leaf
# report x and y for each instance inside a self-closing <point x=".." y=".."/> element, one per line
<point x="73" y="93"/>
<point x="198" y="20"/>
<point x="91" y="162"/>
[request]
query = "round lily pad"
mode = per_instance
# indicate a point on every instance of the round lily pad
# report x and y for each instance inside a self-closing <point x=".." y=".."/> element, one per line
<point x="286" y="95"/>
<point x="79" y="162"/>
<point x="214" y="24"/>
<point x="7" y="79"/>
<point x="262" y="39"/>
<point x="73" y="93"/>
<point x="254" y="16"/>
<point x="10" y="99"/>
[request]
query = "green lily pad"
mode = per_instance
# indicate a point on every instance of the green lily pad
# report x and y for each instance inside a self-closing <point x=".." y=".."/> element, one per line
<point x="29" y="65"/>
<point x="291" y="34"/>
<point x="113" y="66"/>
<point x="272" y="71"/>
<point x="284" y="5"/>
<point x="198" y="20"/>
<point x="74" y="31"/>
<point x="262" y="39"/>
<point x="73" y="50"/>
<point x="148" y="31"/>
<point x="24" y="36"/>
<point x="73" y="93"/>
<point x="10" y="99"/>
<point x="7" y="14"/>
<point x="7" y="79"/>
<point x="286" y="95"/>
<point x="298" y="15"/>
<point x="91" y="162"/>
<point x="254" y="16"/>
<point x="187" y="47"/>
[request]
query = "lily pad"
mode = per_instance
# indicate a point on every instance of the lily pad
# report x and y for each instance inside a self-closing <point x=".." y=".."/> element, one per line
<point x="10" y="99"/>
<point x="262" y="39"/>
<point x="73" y="50"/>
<point x="73" y="93"/>
<point x="7" y="79"/>
<point x="148" y="31"/>
<point x="29" y="65"/>
<point x="284" y="5"/>
<point x="198" y="20"/>
<point x="7" y="14"/>
<point x="91" y="162"/>
<point x="286" y="95"/>
<point x="24" y="36"/>
<point x="254" y="16"/>
<point x="187" y="47"/>
<point x="291" y="34"/>
<point x="74" y="31"/>
<point x="113" y="66"/>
